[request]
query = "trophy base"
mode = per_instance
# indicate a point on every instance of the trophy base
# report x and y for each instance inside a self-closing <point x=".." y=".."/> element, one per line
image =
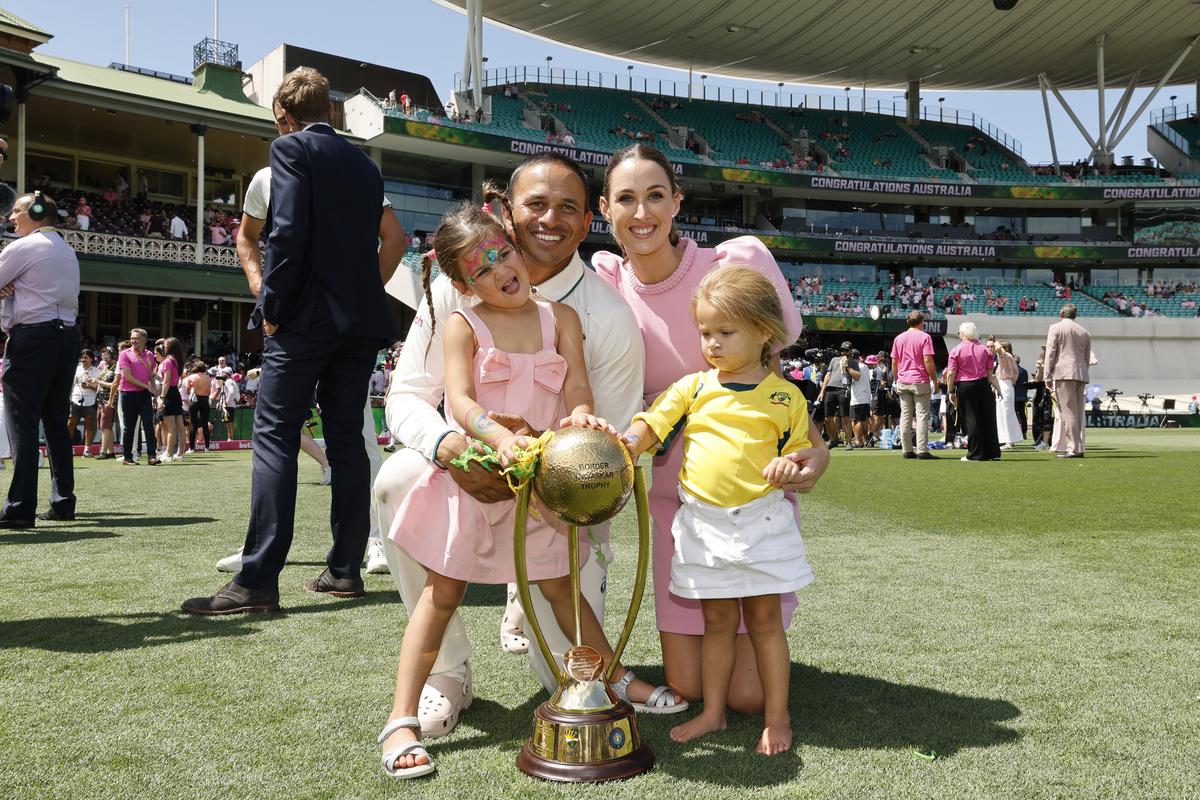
<point x="585" y="746"/>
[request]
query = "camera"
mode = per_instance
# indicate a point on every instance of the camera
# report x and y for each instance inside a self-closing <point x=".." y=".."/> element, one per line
<point x="1145" y="397"/>
<point x="820" y="355"/>
<point x="1113" y="393"/>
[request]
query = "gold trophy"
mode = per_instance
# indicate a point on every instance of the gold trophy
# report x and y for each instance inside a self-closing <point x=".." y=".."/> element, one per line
<point x="584" y="733"/>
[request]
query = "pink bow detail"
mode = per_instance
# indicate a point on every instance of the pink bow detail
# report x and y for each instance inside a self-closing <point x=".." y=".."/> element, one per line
<point x="549" y="369"/>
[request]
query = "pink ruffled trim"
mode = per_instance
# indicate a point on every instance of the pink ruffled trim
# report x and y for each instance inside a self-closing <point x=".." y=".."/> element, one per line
<point x="689" y="257"/>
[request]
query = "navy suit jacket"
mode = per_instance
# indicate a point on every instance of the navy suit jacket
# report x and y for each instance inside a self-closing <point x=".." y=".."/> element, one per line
<point x="326" y="201"/>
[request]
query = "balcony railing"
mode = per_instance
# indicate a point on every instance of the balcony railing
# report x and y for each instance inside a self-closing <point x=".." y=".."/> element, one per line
<point x="144" y="249"/>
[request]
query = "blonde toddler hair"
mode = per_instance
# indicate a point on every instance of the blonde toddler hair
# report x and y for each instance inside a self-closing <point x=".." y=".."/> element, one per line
<point x="748" y="298"/>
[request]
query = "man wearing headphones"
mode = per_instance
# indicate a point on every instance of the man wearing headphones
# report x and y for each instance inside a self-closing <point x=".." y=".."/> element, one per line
<point x="39" y="281"/>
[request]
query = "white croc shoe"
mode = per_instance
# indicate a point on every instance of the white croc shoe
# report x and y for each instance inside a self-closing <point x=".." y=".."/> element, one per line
<point x="443" y="698"/>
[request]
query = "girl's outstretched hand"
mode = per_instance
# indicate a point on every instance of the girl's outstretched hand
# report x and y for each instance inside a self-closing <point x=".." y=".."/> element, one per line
<point x="508" y="447"/>
<point x="588" y="421"/>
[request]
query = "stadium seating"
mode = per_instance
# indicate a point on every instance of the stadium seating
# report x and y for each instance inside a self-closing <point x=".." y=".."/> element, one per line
<point x="1164" y="306"/>
<point x="731" y="140"/>
<point x="594" y="113"/>
<point x="986" y="157"/>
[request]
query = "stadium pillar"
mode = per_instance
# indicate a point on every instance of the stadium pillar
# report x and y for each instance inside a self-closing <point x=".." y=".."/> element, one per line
<point x="1049" y="125"/>
<point x="1153" y="93"/>
<point x="199" y="130"/>
<point x="477" y="177"/>
<point x="21" y="147"/>
<point x="1102" y="152"/>
<point x="912" y="102"/>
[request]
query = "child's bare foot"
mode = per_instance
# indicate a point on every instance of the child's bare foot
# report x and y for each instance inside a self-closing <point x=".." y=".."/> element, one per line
<point x="698" y="726"/>
<point x="776" y="738"/>
<point x="399" y="737"/>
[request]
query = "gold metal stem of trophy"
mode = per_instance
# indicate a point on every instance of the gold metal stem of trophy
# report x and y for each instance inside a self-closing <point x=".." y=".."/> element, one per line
<point x="642" y="505"/>
<point x="523" y="579"/>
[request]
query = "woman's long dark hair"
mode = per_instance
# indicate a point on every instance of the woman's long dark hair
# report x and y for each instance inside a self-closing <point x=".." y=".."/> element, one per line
<point x="174" y="349"/>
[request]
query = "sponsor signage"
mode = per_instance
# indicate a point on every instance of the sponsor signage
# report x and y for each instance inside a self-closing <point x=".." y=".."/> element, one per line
<point x="472" y="137"/>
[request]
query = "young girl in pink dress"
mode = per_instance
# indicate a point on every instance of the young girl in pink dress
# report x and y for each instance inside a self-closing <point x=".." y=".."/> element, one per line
<point x="514" y="354"/>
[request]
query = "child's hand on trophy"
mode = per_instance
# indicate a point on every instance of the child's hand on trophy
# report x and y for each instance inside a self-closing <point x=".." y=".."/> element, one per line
<point x="509" y="446"/>
<point x="584" y="420"/>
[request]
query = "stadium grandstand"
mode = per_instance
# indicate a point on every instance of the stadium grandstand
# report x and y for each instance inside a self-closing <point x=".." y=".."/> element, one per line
<point x="871" y="208"/>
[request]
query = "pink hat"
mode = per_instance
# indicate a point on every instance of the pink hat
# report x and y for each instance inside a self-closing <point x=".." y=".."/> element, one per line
<point x="237" y="377"/>
<point x="872" y="360"/>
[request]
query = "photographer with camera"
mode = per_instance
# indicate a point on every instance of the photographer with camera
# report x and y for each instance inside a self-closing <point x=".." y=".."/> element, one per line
<point x="39" y="276"/>
<point x="840" y="374"/>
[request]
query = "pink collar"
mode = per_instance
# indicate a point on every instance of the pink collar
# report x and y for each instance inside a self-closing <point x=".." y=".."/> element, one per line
<point x="685" y="264"/>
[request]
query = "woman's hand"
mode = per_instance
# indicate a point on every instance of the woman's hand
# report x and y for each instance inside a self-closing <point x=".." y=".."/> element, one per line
<point x="813" y="461"/>
<point x="581" y="420"/>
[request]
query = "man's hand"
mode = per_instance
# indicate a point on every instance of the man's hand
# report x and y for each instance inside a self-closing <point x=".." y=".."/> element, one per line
<point x="514" y="423"/>
<point x="269" y="329"/>
<point x="813" y="462"/>
<point x="484" y="486"/>
<point x="8" y="291"/>
<point x="588" y="421"/>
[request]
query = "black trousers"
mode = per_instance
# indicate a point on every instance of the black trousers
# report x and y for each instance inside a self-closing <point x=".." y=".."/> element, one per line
<point x="1022" y="416"/>
<point x="39" y="367"/>
<point x="977" y="409"/>
<point x="198" y="412"/>
<point x="135" y="407"/>
<point x="1043" y="412"/>
<point x="295" y="363"/>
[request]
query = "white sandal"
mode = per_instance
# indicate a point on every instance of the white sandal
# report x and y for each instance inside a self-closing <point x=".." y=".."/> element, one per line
<point x="406" y="749"/>
<point x="512" y="628"/>
<point x="662" y="700"/>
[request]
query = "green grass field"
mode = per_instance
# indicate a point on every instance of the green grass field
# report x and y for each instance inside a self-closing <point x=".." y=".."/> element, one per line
<point x="1033" y="622"/>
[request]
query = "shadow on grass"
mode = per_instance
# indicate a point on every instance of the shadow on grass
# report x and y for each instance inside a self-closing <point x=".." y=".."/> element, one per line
<point x="486" y="594"/>
<point x="54" y="537"/>
<point x="99" y="519"/>
<point x="107" y="633"/>
<point x="842" y="711"/>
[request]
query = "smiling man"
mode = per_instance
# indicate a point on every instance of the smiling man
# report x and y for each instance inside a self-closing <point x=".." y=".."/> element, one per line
<point x="547" y="215"/>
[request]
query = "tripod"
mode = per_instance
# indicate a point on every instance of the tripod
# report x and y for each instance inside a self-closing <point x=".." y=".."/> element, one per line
<point x="1113" y="407"/>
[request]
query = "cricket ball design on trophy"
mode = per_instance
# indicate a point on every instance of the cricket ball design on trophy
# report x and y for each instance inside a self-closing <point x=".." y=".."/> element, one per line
<point x="584" y="732"/>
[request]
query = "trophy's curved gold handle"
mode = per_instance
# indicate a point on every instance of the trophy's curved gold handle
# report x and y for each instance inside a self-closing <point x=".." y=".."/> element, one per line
<point x="522" y="570"/>
<point x="642" y="506"/>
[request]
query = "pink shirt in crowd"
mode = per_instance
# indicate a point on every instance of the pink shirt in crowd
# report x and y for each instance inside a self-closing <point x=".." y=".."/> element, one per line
<point x="140" y="367"/>
<point x="908" y="354"/>
<point x="970" y="361"/>
<point x="168" y="370"/>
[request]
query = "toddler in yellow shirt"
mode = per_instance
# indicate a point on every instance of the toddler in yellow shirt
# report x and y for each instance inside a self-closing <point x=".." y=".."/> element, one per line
<point x="737" y="540"/>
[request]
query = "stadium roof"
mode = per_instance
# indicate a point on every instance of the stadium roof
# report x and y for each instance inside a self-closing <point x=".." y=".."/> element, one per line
<point x="946" y="44"/>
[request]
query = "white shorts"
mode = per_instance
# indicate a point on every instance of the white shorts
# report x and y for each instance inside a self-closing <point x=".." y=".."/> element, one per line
<point x="745" y="551"/>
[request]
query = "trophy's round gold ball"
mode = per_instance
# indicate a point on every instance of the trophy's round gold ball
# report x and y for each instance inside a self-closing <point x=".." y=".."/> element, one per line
<point x="584" y="476"/>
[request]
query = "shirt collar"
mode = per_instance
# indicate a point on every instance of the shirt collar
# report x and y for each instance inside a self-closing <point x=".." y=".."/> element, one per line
<point x="316" y="124"/>
<point x="561" y="285"/>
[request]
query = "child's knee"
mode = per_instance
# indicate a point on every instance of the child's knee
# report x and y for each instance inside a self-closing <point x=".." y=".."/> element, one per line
<point x="762" y="617"/>
<point x="446" y="594"/>
<point x="720" y="616"/>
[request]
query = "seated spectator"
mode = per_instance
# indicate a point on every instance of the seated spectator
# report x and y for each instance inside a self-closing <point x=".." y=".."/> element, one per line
<point x="83" y="214"/>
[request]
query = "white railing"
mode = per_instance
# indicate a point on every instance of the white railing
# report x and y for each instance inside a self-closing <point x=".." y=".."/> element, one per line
<point x="145" y="249"/>
<point x="138" y="248"/>
<point x="710" y="90"/>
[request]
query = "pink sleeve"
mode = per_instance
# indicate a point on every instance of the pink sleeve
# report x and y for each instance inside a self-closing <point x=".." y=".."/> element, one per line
<point x="608" y="267"/>
<point x="927" y="349"/>
<point x="750" y="252"/>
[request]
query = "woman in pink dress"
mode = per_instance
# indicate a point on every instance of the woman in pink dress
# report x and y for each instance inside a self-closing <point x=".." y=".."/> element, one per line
<point x="657" y="274"/>
<point x="509" y="354"/>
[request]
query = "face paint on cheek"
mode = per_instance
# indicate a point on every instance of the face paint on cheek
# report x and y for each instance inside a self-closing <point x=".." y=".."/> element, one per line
<point x="485" y="255"/>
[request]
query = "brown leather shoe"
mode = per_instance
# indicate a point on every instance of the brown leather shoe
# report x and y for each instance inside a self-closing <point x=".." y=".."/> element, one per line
<point x="328" y="583"/>
<point x="234" y="598"/>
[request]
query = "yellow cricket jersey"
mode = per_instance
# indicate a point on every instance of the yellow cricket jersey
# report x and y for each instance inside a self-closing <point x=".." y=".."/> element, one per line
<point x="730" y="433"/>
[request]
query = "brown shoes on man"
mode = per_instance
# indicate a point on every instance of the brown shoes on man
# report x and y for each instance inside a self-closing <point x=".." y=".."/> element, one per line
<point x="328" y="583"/>
<point x="233" y="598"/>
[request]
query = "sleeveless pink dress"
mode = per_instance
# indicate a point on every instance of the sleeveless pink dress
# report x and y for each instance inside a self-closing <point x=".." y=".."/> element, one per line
<point x="452" y="533"/>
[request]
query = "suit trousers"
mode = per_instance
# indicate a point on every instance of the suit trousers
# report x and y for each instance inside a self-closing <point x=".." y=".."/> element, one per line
<point x="914" y="401"/>
<point x="977" y="407"/>
<point x="137" y="408"/>
<point x="297" y="362"/>
<point x="399" y="473"/>
<point x="1069" y="395"/>
<point x="39" y="367"/>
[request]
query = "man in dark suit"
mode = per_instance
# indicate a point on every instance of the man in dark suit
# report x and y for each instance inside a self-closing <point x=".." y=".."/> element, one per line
<point x="324" y="314"/>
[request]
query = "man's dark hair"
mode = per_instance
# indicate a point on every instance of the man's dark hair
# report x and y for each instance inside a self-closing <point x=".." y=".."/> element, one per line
<point x="558" y="159"/>
<point x="915" y="318"/>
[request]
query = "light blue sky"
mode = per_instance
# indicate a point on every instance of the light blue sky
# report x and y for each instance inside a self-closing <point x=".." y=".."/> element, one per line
<point x="420" y="36"/>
